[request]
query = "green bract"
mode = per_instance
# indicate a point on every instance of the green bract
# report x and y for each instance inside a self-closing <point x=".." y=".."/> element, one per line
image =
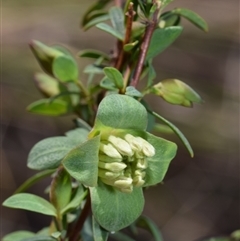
<point x="118" y="159"/>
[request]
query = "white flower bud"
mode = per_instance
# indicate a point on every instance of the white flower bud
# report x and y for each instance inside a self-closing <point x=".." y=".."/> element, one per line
<point x="138" y="181"/>
<point x="107" y="174"/>
<point x="135" y="144"/>
<point x="108" y="181"/>
<point x="121" y="145"/>
<point x="141" y="164"/>
<point x="147" y="148"/>
<point x="127" y="190"/>
<point x="113" y="167"/>
<point x="108" y="159"/>
<point x="140" y="173"/>
<point x="123" y="182"/>
<point x="109" y="150"/>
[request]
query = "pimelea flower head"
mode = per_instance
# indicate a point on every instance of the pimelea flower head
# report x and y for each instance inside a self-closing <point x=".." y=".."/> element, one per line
<point x="118" y="159"/>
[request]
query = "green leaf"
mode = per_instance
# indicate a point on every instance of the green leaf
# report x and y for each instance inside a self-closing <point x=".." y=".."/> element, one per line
<point x="192" y="17"/>
<point x="96" y="20"/>
<point x="99" y="234"/>
<point x="177" y="132"/>
<point x="18" y="236"/>
<point x="158" y="165"/>
<point x="61" y="190"/>
<point x="113" y="209"/>
<point x="236" y="235"/>
<point x="39" y="238"/>
<point x="108" y="84"/>
<point x="82" y="162"/>
<point x="45" y="55"/>
<point x="107" y="28"/>
<point x="99" y="5"/>
<point x="121" y="237"/>
<point x="117" y="19"/>
<point x="93" y="69"/>
<point x="151" y="75"/>
<point x="114" y="75"/>
<point x="132" y="91"/>
<point x="44" y="107"/>
<point x="161" y="39"/>
<point x="176" y="92"/>
<point x="165" y="3"/>
<point x="87" y="231"/>
<point x="65" y="69"/>
<point x="62" y="49"/>
<point x="130" y="113"/>
<point x="48" y="153"/>
<point x="30" y="202"/>
<point x="128" y="47"/>
<point x="163" y="128"/>
<point x="92" y="53"/>
<point x="78" y="135"/>
<point x="169" y="19"/>
<point x="82" y="124"/>
<point x="76" y="201"/>
<point x="146" y="223"/>
<point x="46" y="84"/>
<point x="34" y="179"/>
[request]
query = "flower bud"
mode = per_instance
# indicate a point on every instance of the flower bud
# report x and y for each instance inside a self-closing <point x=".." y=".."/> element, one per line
<point x="141" y="164"/>
<point x="135" y="144"/>
<point x="123" y="182"/>
<point x="113" y="167"/>
<point x="105" y="158"/>
<point x="140" y="173"/>
<point x="109" y="150"/>
<point x="121" y="145"/>
<point x="107" y="174"/>
<point x="138" y="181"/>
<point x="147" y="148"/>
<point x="127" y="190"/>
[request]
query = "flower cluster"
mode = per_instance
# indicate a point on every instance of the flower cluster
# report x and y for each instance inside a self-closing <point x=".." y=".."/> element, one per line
<point x="123" y="161"/>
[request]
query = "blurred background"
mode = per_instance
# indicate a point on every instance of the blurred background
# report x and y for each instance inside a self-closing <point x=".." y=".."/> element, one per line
<point x="200" y="196"/>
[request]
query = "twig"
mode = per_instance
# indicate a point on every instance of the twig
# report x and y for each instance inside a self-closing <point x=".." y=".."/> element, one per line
<point x="130" y="14"/>
<point x="145" y="44"/>
<point x="74" y="236"/>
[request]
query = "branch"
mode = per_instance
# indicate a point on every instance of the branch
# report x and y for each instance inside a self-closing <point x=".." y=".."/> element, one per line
<point x="145" y="44"/>
<point x="74" y="235"/>
<point x="130" y="14"/>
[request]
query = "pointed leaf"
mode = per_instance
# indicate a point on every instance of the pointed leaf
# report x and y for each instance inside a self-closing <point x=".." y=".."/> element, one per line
<point x="65" y="68"/>
<point x="18" y="236"/>
<point x="61" y="190"/>
<point x="44" y="107"/>
<point x="96" y="20"/>
<point x="165" y="3"/>
<point x="108" y="84"/>
<point x="113" y="209"/>
<point x="107" y="28"/>
<point x="132" y="117"/>
<point x="132" y="91"/>
<point x="82" y="162"/>
<point x="169" y="19"/>
<point x="93" y="69"/>
<point x="92" y="53"/>
<point x="99" y="234"/>
<point x="78" y="135"/>
<point x="30" y="202"/>
<point x="114" y="75"/>
<point x="117" y="19"/>
<point x="46" y="84"/>
<point x="34" y="179"/>
<point x="146" y="223"/>
<point x="128" y="47"/>
<point x="161" y="39"/>
<point x="76" y="201"/>
<point x="177" y="132"/>
<point x="159" y="163"/>
<point x="192" y="17"/>
<point x="48" y="153"/>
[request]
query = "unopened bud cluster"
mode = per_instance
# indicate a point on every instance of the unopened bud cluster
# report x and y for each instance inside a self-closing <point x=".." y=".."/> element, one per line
<point x="123" y="161"/>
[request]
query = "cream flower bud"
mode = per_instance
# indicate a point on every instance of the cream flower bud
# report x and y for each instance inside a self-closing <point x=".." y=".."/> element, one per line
<point x="127" y="190"/>
<point x="109" y="150"/>
<point x="108" y="159"/>
<point x="141" y="164"/>
<point x="113" y="167"/>
<point x="107" y="174"/>
<point x="123" y="182"/>
<point x="147" y="148"/>
<point x="135" y="144"/>
<point x="121" y="145"/>
<point x="138" y="181"/>
<point x="140" y="173"/>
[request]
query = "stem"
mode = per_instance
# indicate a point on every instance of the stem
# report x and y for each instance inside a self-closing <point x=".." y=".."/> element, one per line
<point x="130" y="14"/>
<point x="82" y="88"/>
<point x="74" y="235"/>
<point x="145" y="44"/>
